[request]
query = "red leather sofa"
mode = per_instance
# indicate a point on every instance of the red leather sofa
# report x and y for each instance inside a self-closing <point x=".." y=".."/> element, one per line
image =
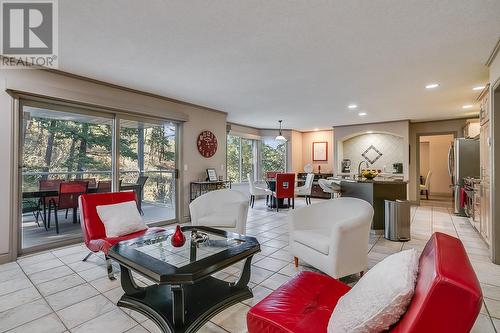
<point x="93" y="229"/>
<point x="447" y="297"/>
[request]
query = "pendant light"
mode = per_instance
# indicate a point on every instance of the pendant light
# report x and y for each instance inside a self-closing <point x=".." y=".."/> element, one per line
<point x="280" y="137"/>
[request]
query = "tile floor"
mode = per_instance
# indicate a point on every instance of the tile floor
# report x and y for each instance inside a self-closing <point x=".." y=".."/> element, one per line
<point x="56" y="292"/>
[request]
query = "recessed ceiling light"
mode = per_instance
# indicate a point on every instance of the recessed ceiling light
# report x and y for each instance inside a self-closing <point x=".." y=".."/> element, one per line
<point x="362" y="114"/>
<point x="352" y="106"/>
<point x="432" y="86"/>
<point x="316" y="129"/>
<point x="478" y="88"/>
<point x="369" y="132"/>
<point x="467" y="106"/>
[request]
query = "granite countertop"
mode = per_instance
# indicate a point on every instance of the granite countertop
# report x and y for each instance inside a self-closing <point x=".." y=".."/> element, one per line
<point x="375" y="180"/>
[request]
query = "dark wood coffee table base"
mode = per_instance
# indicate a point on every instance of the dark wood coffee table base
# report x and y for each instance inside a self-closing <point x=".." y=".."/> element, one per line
<point x="184" y="308"/>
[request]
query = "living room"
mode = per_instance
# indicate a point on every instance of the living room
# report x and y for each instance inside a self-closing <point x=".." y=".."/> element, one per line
<point x="185" y="166"/>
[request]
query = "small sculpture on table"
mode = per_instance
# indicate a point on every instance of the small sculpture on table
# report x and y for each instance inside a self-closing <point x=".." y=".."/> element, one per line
<point x="178" y="238"/>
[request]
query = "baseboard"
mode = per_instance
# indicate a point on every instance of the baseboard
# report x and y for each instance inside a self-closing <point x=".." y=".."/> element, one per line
<point x="5" y="258"/>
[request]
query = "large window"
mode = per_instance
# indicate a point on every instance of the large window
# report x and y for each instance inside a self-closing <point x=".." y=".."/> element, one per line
<point x="254" y="157"/>
<point x="241" y="158"/>
<point x="272" y="156"/>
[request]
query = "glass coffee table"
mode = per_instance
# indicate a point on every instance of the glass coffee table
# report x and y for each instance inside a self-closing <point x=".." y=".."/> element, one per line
<point x="184" y="295"/>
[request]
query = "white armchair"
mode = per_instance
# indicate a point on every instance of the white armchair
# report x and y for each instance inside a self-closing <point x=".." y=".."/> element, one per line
<point x="332" y="236"/>
<point x="255" y="190"/>
<point x="223" y="209"/>
<point x="305" y="190"/>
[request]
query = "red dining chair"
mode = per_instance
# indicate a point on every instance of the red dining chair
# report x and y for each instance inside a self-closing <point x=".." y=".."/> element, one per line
<point x="285" y="189"/>
<point x="92" y="182"/>
<point x="43" y="203"/>
<point x="94" y="232"/>
<point x="103" y="186"/>
<point x="271" y="174"/>
<point x="67" y="199"/>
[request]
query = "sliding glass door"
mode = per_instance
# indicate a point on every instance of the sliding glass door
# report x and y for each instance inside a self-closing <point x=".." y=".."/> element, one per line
<point x="148" y="158"/>
<point x="61" y="145"/>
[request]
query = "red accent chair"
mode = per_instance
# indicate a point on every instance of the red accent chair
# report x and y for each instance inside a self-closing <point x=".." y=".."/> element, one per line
<point x="93" y="229"/>
<point x="447" y="297"/>
<point x="285" y="189"/>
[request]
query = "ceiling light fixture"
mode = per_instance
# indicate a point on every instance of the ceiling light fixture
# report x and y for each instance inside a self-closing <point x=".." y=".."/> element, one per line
<point x="316" y="129"/>
<point x="478" y="88"/>
<point x="280" y="137"/>
<point x="352" y="106"/>
<point x="432" y="85"/>
<point x="362" y="114"/>
<point x="467" y="106"/>
<point x="369" y="132"/>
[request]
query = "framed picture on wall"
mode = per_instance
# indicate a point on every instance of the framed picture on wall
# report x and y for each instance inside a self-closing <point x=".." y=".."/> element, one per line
<point x="320" y="151"/>
<point x="212" y="175"/>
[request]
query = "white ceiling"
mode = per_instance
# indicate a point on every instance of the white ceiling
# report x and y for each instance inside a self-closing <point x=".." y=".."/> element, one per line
<point x="300" y="61"/>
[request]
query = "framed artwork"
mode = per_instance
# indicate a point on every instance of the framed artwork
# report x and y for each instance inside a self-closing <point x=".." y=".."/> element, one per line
<point x="320" y="151"/>
<point x="212" y="175"/>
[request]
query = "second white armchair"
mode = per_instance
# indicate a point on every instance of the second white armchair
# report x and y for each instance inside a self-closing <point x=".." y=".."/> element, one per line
<point x="223" y="209"/>
<point x="332" y="236"/>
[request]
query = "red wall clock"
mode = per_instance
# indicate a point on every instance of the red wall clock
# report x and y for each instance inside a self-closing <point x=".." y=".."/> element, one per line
<point x="207" y="144"/>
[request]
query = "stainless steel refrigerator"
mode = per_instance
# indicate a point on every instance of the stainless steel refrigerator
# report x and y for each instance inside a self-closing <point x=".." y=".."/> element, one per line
<point x="463" y="161"/>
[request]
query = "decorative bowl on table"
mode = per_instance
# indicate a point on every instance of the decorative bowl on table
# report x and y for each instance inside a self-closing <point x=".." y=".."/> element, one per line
<point x="369" y="174"/>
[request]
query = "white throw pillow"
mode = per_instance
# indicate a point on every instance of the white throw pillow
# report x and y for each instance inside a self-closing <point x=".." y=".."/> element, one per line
<point x="121" y="218"/>
<point x="379" y="298"/>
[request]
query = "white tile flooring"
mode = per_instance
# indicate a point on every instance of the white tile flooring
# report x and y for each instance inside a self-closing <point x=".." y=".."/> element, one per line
<point x="56" y="292"/>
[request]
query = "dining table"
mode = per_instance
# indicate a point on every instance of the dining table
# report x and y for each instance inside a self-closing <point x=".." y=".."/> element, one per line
<point x="54" y="193"/>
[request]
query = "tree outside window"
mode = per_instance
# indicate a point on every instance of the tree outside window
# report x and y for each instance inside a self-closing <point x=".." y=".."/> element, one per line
<point x="273" y="156"/>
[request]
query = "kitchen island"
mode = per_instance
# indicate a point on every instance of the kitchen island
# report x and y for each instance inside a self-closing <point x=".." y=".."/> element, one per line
<point x="375" y="192"/>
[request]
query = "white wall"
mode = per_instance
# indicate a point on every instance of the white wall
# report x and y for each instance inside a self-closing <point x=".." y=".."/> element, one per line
<point x="64" y="87"/>
<point x="438" y="146"/>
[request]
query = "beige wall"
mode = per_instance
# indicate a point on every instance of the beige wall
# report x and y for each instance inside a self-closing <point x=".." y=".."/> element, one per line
<point x="307" y="143"/>
<point x="454" y="127"/>
<point x="73" y="89"/>
<point x="424" y="158"/>
<point x="297" y="152"/>
<point x="438" y="146"/>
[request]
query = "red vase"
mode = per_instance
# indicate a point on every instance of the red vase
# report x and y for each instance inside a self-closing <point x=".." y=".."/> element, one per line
<point x="178" y="238"/>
